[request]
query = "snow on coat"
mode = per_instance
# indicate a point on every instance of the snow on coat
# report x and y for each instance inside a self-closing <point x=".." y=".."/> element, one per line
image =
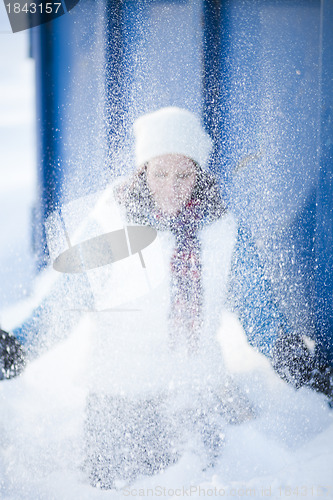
<point x="129" y="332"/>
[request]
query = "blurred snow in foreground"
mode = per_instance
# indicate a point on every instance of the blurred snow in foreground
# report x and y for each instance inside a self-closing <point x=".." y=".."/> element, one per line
<point x="287" y="446"/>
<point x="286" y="452"/>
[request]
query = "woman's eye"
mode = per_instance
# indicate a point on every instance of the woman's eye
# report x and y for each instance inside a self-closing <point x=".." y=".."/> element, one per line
<point x="186" y="175"/>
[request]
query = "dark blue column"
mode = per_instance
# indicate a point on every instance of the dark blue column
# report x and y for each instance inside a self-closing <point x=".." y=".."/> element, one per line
<point x="48" y="132"/>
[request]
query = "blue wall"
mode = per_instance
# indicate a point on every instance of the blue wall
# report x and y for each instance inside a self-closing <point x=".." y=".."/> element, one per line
<point x="323" y="236"/>
<point x="259" y="72"/>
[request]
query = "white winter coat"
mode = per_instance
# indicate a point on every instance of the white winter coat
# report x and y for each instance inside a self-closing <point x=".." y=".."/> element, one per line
<point x="129" y="328"/>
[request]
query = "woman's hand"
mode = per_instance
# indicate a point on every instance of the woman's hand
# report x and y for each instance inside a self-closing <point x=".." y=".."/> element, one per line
<point x="12" y="356"/>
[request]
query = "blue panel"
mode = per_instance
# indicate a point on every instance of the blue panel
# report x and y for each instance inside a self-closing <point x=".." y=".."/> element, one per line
<point x="212" y="85"/>
<point x="324" y="200"/>
<point x="162" y="46"/>
<point x="241" y="46"/>
<point x="271" y="60"/>
<point x="48" y="144"/>
<point x="271" y="87"/>
<point x="115" y="123"/>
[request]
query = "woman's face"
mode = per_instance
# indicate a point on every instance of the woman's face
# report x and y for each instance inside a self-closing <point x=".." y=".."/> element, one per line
<point x="171" y="179"/>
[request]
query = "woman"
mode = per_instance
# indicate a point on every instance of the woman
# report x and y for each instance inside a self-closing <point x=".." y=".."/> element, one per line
<point x="158" y="369"/>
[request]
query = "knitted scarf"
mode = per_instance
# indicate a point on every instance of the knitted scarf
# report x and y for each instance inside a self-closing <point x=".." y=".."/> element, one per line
<point x="203" y="208"/>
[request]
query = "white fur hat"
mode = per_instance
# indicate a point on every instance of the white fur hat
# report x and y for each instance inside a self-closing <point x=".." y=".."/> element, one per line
<point x="171" y="130"/>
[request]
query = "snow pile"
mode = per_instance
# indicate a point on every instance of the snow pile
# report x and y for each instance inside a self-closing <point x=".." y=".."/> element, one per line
<point x="286" y="446"/>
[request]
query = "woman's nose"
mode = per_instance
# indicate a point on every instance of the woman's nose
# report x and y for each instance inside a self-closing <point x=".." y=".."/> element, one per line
<point x="170" y="184"/>
<point x="174" y="181"/>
